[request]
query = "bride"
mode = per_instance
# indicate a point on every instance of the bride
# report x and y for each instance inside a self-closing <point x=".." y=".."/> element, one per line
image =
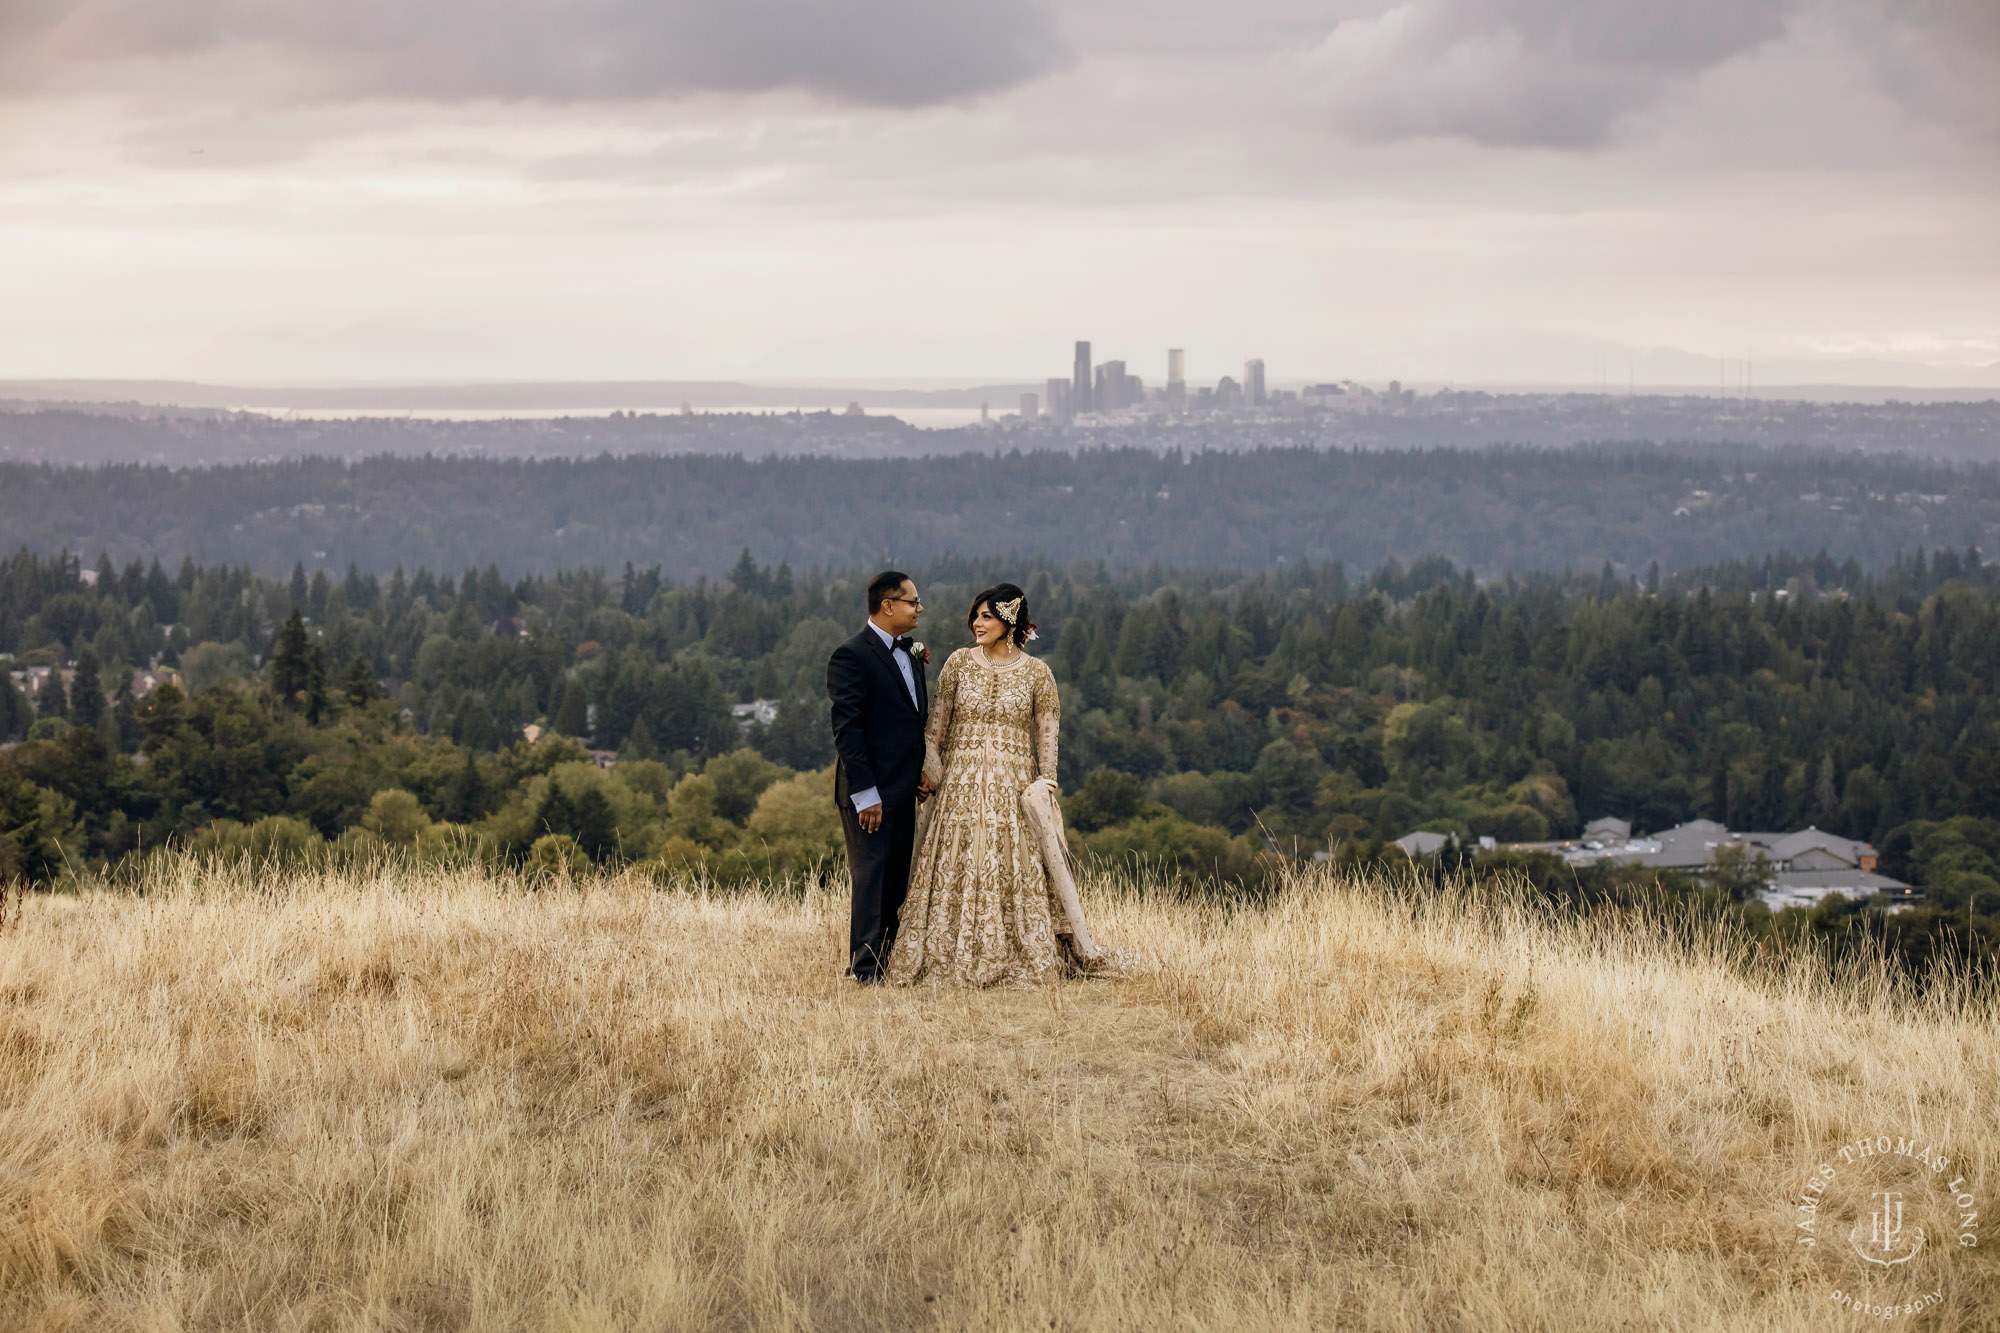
<point x="982" y="909"/>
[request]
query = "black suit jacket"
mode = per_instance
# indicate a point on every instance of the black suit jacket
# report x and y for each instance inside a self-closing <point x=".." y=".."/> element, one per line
<point x="877" y="732"/>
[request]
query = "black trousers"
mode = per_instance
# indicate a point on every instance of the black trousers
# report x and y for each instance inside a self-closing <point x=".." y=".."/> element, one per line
<point x="880" y="864"/>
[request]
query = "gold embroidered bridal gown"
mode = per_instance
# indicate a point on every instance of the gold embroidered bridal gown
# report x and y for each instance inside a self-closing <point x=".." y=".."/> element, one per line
<point x="979" y="912"/>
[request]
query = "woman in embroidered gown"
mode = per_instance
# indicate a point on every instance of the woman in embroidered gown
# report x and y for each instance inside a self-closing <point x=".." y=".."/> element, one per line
<point x="980" y="910"/>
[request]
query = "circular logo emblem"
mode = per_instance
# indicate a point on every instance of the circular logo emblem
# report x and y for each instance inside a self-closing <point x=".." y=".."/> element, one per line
<point x="1882" y="1218"/>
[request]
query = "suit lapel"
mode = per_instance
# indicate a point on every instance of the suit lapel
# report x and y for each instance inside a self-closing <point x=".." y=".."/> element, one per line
<point x="888" y="656"/>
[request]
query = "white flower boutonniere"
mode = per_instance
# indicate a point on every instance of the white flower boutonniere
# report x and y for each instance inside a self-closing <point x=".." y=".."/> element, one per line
<point x="920" y="654"/>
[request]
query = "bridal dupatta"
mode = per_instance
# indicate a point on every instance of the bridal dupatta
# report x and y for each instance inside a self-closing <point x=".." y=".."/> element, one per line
<point x="1044" y="816"/>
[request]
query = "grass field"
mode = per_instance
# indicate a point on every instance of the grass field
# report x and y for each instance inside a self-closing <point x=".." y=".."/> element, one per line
<point x="432" y="1100"/>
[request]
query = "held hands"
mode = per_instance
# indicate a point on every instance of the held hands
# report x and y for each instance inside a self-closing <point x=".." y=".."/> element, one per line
<point x="870" y="819"/>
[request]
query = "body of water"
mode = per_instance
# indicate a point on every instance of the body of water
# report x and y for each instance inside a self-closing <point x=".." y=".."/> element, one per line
<point x="924" y="418"/>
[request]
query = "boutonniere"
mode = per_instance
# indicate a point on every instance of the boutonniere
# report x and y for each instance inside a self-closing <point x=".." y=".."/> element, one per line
<point x="920" y="654"/>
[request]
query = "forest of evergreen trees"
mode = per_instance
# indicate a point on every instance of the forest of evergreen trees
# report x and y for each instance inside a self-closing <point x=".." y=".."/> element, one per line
<point x="1210" y="720"/>
<point x="1494" y="510"/>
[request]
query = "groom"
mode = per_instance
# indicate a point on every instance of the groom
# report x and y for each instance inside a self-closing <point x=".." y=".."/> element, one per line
<point x="880" y="702"/>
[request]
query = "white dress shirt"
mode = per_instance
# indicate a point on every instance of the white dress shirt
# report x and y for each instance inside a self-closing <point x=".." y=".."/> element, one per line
<point x="873" y="796"/>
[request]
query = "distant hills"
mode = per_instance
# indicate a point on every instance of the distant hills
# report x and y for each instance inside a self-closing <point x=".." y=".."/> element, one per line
<point x="1495" y="511"/>
<point x="204" y="436"/>
<point x="1689" y="378"/>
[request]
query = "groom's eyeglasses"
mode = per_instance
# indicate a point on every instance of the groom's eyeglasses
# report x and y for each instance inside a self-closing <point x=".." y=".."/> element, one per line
<point x="917" y="602"/>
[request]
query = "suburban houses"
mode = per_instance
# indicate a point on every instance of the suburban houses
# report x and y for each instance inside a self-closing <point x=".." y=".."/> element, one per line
<point x="1800" y="868"/>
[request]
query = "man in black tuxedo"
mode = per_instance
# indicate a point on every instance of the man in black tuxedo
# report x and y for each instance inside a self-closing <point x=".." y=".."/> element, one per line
<point x="880" y="702"/>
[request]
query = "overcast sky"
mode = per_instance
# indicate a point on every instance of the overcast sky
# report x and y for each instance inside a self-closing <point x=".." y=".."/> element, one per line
<point x="894" y="190"/>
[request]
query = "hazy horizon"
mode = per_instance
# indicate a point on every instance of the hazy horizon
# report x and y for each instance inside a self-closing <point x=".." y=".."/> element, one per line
<point x="1976" y="384"/>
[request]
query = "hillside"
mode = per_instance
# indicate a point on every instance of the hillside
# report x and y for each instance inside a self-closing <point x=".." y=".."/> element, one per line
<point x="429" y="1099"/>
<point x="1131" y="504"/>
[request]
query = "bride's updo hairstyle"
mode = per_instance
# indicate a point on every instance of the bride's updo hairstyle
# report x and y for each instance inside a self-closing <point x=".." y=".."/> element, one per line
<point x="997" y="596"/>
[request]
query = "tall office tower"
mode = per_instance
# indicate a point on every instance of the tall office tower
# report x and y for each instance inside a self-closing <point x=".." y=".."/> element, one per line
<point x="1253" y="383"/>
<point x="1031" y="407"/>
<point x="1080" y="400"/>
<point x="1176" y="375"/>
<point x="1113" y="387"/>
<point x="1055" y="398"/>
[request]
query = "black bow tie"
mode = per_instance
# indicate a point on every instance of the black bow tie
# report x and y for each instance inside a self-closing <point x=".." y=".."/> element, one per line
<point x="905" y="643"/>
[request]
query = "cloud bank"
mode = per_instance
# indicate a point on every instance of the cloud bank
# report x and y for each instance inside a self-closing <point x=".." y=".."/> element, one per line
<point x="1574" y="74"/>
<point x="1556" y="74"/>
<point x="891" y="53"/>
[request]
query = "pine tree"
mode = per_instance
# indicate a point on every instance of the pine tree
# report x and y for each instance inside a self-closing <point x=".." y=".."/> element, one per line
<point x="126" y="709"/>
<point x="1826" y="799"/>
<point x="86" y="691"/>
<point x="596" y="826"/>
<point x="467" y="799"/>
<point x="15" y="715"/>
<point x="555" y="814"/>
<point x="291" y="663"/>
<point x="316" y="700"/>
<point x="629" y="692"/>
<point x="358" y="682"/>
<point x="749" y="580"/>
<point x="52" y="700"/>
<point x="161" y="594"/>
<point x="639" y="743"/>
<point x="572" y="715"/>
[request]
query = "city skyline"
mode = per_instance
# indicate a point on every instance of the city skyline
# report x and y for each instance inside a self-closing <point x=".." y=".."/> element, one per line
<point x="1548" y="193"/>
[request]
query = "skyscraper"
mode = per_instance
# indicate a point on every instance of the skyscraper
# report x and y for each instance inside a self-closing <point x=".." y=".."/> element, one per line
<point x="1058" y="400"/>
<point x="1080" y="400"/>
<point x="1253" y="382"/>
<point x="1030" y="407"/>
<point x="1115" y="389"/>
<point x="1176" y="375"/>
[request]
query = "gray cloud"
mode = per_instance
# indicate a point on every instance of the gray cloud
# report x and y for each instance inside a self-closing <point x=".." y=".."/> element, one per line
<point x="1940" y="57"/>
<point x="869" y="52"/>
<point x="1574" y="73"/>
<point x="1558" y="73"/>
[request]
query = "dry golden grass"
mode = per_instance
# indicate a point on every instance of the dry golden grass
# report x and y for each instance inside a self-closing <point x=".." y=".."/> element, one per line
<point x="429" y="1099"/>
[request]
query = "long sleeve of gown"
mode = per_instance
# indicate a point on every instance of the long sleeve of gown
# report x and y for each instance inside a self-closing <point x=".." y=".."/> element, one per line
<point x="1048" y="721"/>
<point x="939" y="724"/>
